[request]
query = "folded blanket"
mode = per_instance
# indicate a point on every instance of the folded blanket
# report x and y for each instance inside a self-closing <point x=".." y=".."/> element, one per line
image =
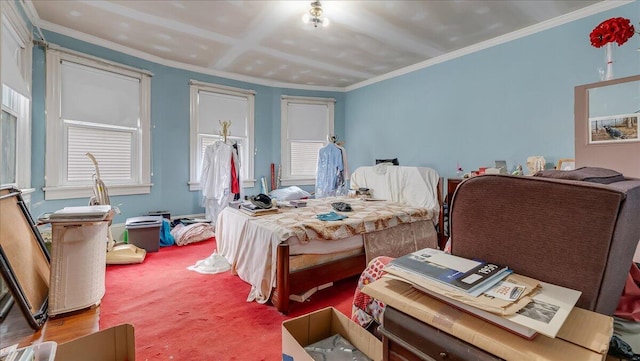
<point x="192" y="233"/>
<point x="585" y="174"/>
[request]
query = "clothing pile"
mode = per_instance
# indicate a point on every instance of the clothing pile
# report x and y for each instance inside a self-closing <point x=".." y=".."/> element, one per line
<point x="186" y="234"/>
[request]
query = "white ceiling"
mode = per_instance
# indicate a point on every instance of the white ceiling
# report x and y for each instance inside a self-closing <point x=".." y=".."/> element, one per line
<point x="266" y="42"/>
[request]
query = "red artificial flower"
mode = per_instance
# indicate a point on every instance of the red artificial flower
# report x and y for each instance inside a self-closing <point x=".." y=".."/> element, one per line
<point x="617" y="30"/>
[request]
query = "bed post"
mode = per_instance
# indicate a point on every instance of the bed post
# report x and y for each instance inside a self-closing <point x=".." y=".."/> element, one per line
<point x="280" y="295"/>
<point x="442" y="238"/>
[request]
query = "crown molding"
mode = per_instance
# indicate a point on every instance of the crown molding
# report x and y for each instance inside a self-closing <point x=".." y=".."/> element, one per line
<point x="545" y="25"/>
<point x="174" y="64"/>
<point x="542" y="26"/>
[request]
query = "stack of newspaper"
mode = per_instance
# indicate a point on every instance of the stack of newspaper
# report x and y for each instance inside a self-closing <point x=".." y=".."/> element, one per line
<point x="253" y="210"/>
<point x="489" y="291"/>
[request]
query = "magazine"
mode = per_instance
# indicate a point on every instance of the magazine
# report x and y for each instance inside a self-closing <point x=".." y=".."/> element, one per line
<point x="545" y="310"/>
<point x="545" y="313"/>
<point x="465" y="275"/>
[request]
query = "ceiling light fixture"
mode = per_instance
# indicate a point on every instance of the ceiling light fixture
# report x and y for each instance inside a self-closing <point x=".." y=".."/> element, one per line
<point x="314" y="15"/>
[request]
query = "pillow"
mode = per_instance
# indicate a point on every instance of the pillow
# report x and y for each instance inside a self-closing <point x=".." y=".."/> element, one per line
<point x="585" y="174"/>
<point x="289" y="194"/>
<point x="393" y="161"/>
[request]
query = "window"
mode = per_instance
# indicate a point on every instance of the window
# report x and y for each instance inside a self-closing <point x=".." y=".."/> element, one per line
<point x="98" y="107"/>
<point x="212" y="104"/>
<point x="307" y="124"/>
<point x="15" y="115"/>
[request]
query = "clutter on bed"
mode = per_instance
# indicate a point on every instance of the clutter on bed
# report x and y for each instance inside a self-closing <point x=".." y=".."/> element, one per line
<point x="292" y="251"/>
<point x="330" y="216"/>
<point x="413" y="186"/>
<point x="289" y="194"/>
<point x="261" y="201"/>
<point x="341" y="206"/>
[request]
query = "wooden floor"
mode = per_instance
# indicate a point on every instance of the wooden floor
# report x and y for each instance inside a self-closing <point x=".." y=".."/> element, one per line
<point x="15" y="329"/>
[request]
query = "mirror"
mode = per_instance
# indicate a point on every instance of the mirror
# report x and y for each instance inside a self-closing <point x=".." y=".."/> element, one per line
<point x="607" y="125"/>
<point x="6" y="301"/>
<point x="24" y="258"/>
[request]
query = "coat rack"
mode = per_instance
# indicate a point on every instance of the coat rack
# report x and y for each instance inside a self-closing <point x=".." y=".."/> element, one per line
<point x="225" y="129"/>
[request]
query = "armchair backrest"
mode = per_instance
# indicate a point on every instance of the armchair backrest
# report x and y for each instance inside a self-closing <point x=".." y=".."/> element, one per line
<point x="575" y="234"/>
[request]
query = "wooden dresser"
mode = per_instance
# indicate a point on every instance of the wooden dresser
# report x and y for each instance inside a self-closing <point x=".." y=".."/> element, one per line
<point x="405" y="338"/>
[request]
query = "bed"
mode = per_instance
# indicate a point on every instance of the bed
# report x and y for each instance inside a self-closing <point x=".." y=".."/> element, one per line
<point x="290" y="252"/>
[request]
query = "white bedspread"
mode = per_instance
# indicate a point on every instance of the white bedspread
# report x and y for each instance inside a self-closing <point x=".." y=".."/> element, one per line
<point x="413" y="186"/>
<point x="250" y="249"/>
<point x="250" y="243"/>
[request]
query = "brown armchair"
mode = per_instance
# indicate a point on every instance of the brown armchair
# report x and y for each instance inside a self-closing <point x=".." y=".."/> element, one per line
<point x="574" y="233"/>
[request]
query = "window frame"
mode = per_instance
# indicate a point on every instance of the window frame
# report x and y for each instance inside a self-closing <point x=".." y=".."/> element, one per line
<point x="56" y="187"/>
<point x="248" y="177"/>
<point x="21" y="33"/>
<point x="286" y="178"/>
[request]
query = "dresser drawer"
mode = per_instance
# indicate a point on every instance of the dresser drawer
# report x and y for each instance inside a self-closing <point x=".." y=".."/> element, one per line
<point x="406" y="338"/>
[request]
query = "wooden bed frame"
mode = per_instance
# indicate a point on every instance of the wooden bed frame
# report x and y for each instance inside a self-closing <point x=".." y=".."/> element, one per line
<point x="296" y="282"/>
<point x="291" y="283"/>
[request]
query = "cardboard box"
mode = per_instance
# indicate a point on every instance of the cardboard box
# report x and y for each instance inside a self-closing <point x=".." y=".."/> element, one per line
<point x="584" y="336"/>
<point x="310" y="328"/>
<point x="112" y="344"/>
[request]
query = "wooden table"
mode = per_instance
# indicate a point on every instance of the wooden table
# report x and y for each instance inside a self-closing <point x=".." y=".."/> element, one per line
<point x="15" y="329"/>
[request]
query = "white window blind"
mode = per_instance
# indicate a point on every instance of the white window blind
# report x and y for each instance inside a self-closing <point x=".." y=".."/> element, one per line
<point x="214" y="107"/>
<point x="212" y="104"/>
<point x="108" y="107"/>
<point x="100" y="108"/>
<point x="113" y="149"/>
<point x="13" y="58"/>
<point x="97" y="96"/>
<point x="306" y="125"/>
<point x="8" y="132"/>
<point x="15" y="124"/>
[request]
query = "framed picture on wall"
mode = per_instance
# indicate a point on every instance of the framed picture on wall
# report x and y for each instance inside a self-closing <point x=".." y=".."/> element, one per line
<point x="614" y="128"/>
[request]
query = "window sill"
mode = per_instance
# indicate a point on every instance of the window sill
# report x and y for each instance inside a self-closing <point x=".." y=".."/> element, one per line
<point x="52" y="193"/>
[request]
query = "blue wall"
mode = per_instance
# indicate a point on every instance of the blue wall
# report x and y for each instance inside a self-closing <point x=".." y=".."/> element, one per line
<point x="507" y="102"/>
<point x="169" y="133"/>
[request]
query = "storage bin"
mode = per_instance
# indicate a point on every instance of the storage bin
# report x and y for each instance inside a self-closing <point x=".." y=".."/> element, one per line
<point x="144" y="232"/>
<point x="164" y="214"/>
<point x="78" y="262"/>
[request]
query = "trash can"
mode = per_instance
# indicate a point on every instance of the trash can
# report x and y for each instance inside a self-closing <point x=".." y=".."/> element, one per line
<point x="144" y="232"/>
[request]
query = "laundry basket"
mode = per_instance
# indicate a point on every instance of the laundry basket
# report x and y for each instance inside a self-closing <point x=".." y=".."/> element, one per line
<point x="78" y="258"/>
